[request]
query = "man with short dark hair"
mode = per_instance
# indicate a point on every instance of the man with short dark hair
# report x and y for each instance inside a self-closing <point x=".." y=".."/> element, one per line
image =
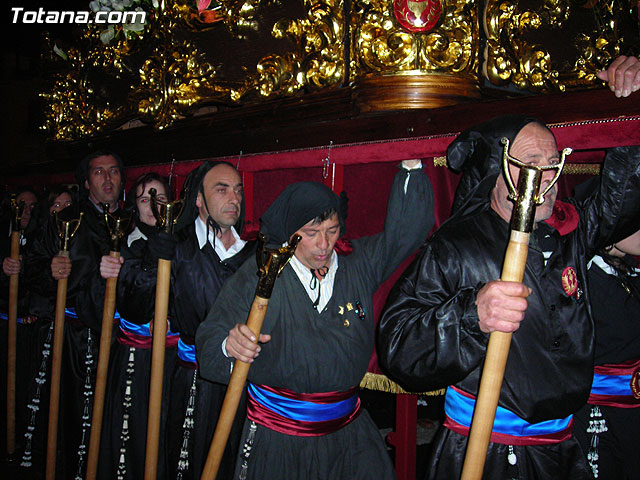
<point x="436" y="325"/>
<point x="101" y="181"/>
<point x="305" y="419"/>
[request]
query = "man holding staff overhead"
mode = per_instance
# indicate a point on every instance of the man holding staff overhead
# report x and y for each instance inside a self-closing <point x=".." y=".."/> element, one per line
<point x="435" y="329"/>
<point x="317" y="334"/>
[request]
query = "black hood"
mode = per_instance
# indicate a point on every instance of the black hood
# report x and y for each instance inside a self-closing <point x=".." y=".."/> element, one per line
<point x="477" y="153"/>
<point x="297" y="205"/>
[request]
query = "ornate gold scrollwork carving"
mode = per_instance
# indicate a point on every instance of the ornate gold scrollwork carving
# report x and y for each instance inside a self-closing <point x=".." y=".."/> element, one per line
<point x="80" y="102"/>
<point x="172" y="81"/>
<point x="318" y="59"/>
<point x="161" y="78"/>
<point x="166" y="72"/>
<point x="381" y="45"/>
<point x="512" y="54"/>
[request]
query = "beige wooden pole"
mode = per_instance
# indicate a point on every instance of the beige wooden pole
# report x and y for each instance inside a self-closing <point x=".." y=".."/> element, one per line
<point x="157" y="368"/>
<point x="12" y="336"/>
<point x="56" y="369"/>
<point x="101" y="373"/>
<point x="494" y="366"/>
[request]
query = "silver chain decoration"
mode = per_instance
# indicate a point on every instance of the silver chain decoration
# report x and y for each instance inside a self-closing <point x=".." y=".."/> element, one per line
<point x="246" y="451"/>
<point x="183" y="462"/>
<point x="126" y="403"/>
<point x="34" y="405"/>
<point x="597" y="425"/>
<point x="86" y="411"/>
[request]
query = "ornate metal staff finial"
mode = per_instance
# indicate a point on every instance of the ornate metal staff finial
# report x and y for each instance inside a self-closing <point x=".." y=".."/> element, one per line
<point x="16" y="210"/>
<point x="271" y="263"/>
<point x="527" y="196"/>
<point x="66" y="230"/>
<point x="117" y="227"/>
<point x="165" y="213"/>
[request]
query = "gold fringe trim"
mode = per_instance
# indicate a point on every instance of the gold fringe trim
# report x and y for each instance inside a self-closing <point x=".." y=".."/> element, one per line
<point x="569" y="168"/>
<point x="379" y="382"/>
<point x="582" y="168"/>
<point x="439" y="161"/>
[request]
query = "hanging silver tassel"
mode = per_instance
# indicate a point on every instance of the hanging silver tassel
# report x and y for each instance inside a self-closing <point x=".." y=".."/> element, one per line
<point x="34" y="405"/>
<point x="187" y="426"/>
<point x="246" y="451"/>
<point x="86" y="411"/>
<point x="126" y="403"/>
<point x="597" y="425"/>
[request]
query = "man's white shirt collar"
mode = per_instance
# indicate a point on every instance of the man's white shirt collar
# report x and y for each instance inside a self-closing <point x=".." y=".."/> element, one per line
<point x="203" y="233"/>
<point x="325" y="285"/>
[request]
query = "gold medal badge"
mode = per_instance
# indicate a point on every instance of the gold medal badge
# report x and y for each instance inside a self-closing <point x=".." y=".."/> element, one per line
<point x="635" y="383"/>
<point x="569" y="281"/>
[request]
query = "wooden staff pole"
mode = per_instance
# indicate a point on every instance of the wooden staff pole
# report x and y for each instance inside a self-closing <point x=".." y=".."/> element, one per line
<point x="116" y="227"/>
<point x="166" y="215"/>
<point x="101" y="373"/>
<point x="269" y="271"/>
<point x="157" y="368"/>
<point x="522" y="219"/>
<point x="12" y="336"/>
<point x="494" y="366"/>
<point x="56" y="368"/>
<point x="66" y="230"/>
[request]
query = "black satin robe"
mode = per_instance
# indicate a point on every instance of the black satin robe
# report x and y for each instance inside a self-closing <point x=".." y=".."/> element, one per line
<point x="429" y="336"/>
<point x="29" y="344"/>
<point x="85" y="293"/>
<point x="129" y="375"/>
<point x="616" y="314"/>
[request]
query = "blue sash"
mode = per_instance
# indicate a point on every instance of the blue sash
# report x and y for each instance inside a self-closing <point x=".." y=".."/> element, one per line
<point x="143" y="330"/>
<point x="611" y="384"/>
<point x="5" y="316"/>
<point x="186" y="352"/>
<point x="301" y="410"/>
<point x="508" y="428"/>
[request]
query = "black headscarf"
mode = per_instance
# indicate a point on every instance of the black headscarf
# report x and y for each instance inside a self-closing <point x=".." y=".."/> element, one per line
<point x="297" y="205"/>
<point x="194" y="185"/>
<point x="477" y="153"/>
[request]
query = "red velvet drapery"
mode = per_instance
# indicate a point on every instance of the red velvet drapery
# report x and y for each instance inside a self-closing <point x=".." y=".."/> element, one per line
<point x="365" y="171"/>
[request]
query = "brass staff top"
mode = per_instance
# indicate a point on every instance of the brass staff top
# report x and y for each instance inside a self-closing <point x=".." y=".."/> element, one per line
<point x="271" y="263"/>
<point x="165" y="213"/>
<point x="16" y="210"/>
<point x="526" y="197"/>
<point x="66" y="230"/>
<point x="117" y="227"/>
